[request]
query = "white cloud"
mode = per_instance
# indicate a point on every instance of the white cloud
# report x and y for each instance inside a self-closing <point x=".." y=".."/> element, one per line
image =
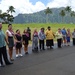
<point x="24" y="6"/>
<point x="57" y="3"/>
<point x="39" y="6"/>
<point x="62" y="3"/>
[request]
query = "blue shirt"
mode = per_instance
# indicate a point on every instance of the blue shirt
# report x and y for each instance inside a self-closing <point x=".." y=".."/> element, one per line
<point x="63" y="32"/>
<point x="2" y="39"/>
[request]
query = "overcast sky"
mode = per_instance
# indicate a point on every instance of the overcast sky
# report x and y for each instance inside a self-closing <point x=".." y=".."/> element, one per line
<point x="31" y="6"/>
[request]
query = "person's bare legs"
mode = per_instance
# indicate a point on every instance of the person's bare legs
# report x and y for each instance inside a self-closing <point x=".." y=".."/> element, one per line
<point x="11" y="53"/>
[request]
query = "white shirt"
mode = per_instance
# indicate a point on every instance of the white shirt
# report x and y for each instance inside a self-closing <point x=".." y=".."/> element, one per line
<point x="9" y="33"/>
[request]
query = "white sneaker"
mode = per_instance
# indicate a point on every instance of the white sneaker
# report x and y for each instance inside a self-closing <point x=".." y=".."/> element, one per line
<point x="20" y="55"/>
<point x="17" y="55"/>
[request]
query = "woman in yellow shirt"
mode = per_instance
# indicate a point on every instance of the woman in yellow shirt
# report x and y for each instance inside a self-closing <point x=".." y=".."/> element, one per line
<point x="49" y="37"/>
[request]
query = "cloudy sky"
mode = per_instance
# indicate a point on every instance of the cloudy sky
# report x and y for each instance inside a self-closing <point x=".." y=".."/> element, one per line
<point x="31" y="6"/>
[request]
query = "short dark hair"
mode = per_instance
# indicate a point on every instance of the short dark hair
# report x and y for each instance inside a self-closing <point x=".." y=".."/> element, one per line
<point x="17" y="30"/>
<point x="43" y="28"/>
<point x="9" y="25"/>
<point x="49" y="27"/>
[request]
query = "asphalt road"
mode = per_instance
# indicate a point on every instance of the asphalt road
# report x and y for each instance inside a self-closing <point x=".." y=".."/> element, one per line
<point x="49" y="62"/>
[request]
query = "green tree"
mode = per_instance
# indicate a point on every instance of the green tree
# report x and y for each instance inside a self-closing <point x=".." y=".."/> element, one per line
<point x="10" y="17"/>
<point x="68" y="8"/>
<point x="68" y="11"/>
<point x="62" y="13"/>
<point x="72" y="15"/>
<point x="47" y="12"/>
<point x="7" y="18"/>
<point x="11" y="10"/>
<point x="4" y="17"/>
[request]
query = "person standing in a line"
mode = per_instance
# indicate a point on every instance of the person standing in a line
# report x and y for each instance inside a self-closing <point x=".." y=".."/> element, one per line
<point x="10" y="38"/>
<point x="42" y="37"/>
<point x="25" y="37"/>
<point x="29" y="31"/>
<point x="68" y="37"/>
<point x="18" y="44"/>
<point x="3" y="51"/>
<point x="35" y="41"/>
<point x="73" y="37"/>
<point x="64" y="33"/>
<point x="59" y="37"/>
<point x="49" y="37"/>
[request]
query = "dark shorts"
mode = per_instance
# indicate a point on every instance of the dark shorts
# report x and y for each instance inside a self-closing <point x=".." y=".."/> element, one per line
<point x="68" y="39"/>
<point x="18" y="45"/>
<point x="49" y="42"/>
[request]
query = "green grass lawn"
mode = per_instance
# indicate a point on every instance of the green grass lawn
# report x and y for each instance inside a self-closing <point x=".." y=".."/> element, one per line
<point x="32" y="26"/>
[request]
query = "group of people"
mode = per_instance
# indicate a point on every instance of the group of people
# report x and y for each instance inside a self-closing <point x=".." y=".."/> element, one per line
<point x="17" y="40"/>
<point x="12" y="39"/>
<point x="63" y="37"/>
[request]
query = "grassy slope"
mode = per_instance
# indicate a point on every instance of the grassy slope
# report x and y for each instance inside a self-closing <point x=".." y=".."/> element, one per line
<point x="54" y="27"/>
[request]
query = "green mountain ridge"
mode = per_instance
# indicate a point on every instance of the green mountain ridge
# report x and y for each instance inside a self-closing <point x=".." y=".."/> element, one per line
<point x="41" y="17"/>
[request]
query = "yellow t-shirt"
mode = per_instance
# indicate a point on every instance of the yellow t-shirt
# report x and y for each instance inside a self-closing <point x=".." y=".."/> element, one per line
<point x="49" y="34"/>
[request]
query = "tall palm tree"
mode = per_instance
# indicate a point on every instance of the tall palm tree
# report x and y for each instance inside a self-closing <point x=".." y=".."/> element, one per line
<point x="11" y="9"/>
<point x="62" y="13"/>
<point x="72" y="15"/>
<point x="68" y="8"/>
<point x="68" y="11"/>
<point x="47" y="12"/>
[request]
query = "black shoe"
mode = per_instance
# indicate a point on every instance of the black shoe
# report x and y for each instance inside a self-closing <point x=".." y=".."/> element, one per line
<point x="43" y="49"/>
<point x="10" y="63"/>
<point x="32" y="50"/>
<point x="2" y="65"/>
<point x="51" y="47"/>
<point x="60" y="47"/>
<point x="36" y="50"/>
<point x="26" y="53"/>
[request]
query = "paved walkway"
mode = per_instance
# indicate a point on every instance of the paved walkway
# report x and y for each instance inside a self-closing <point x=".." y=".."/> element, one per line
<point x="48" y="62"/>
